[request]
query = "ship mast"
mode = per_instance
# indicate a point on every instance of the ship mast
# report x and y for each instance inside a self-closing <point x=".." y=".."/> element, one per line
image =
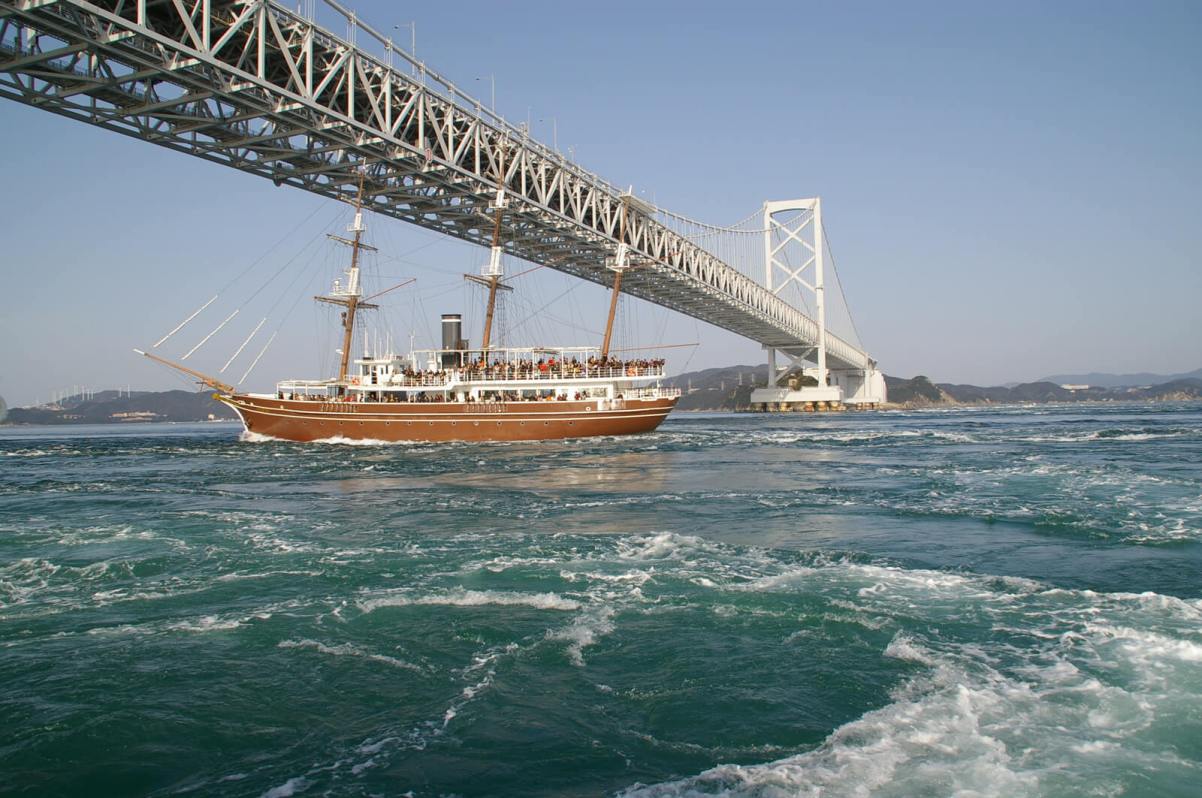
<point x="491" y="274"/>
<point x="350" y="297"/>
<point x="617" y="267"/>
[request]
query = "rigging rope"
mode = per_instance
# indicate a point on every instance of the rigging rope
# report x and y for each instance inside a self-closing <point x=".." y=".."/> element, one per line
<point x="242" y="274"/>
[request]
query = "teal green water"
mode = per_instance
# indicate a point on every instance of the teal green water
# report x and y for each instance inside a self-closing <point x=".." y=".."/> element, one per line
<point x="991" y="602"/>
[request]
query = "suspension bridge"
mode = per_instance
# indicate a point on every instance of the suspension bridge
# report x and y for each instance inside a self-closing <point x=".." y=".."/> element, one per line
<point x="268" y="90"/>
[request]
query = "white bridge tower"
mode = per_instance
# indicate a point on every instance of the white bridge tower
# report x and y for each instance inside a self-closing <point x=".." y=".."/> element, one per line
<point x="795" y="227"/>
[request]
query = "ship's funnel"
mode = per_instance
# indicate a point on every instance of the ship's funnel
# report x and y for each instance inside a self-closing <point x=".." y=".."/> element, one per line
<point x="452" y="338"/>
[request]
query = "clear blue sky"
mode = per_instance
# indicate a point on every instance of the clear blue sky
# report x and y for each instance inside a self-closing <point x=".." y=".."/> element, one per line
<point x="1011" y="190"/>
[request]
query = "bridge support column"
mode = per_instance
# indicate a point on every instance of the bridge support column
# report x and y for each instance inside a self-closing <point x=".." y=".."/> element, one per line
<point x="797" y="225"/>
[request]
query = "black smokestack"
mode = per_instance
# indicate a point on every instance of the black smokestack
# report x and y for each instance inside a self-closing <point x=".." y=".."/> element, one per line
<point x="452" y="338"/>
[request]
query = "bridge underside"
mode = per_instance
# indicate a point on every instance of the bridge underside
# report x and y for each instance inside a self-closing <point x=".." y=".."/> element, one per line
<point x="254" y="86"/>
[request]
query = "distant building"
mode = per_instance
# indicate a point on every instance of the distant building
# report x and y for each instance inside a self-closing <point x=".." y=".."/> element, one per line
<point x="136" y="415"/>
<point x="1075" y="387"/>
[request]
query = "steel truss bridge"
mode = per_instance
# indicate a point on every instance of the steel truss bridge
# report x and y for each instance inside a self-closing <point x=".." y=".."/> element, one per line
<point x="253" y="85"/>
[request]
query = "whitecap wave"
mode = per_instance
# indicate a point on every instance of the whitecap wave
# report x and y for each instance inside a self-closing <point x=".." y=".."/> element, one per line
<point x="472" y="598"/>
<point x="349" y="650"/>
<point x="589" y="627"/>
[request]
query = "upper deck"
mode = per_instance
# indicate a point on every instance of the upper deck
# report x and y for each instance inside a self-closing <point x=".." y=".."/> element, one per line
<point x="468" y="374"/>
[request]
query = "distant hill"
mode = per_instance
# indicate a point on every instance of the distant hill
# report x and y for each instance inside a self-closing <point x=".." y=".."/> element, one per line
<point x="1101" y="380"/>
<point x="915" y="391"/>
<point x="113" y="407"/>
<point x="726" y="388"/>
<point x="719" y="389"/>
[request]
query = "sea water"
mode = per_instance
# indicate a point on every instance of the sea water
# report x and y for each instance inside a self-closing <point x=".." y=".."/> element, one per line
<point x="968" y="602"/>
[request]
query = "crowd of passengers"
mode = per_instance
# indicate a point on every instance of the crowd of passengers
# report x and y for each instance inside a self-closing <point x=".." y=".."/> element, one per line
<point x="479" y="369"/>
<point x="544" y="368"/>
<point x="426" y="398"/>
<point x="547" y="368"/>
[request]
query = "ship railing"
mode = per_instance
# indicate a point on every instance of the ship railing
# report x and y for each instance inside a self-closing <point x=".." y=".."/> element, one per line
<point x="651" y="393"/>
<point x="443" y="379"/>
<point x="535" y="374"/>
<point x="437" y="380"/>
<point x="306" y="387"/>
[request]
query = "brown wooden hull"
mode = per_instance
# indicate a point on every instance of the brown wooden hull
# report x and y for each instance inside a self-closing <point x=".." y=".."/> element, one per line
<point x="302" y="420"/>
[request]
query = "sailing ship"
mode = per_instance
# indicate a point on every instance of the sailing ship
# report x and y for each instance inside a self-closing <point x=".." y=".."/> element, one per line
<point x="457" y="392"/>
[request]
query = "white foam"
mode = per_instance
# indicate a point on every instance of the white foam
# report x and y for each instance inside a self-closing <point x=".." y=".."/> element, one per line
<point x="289" y="788"/>
<point x="474" y="598"/>
<point x="23" y="578"/>
<point x="660" y="546"/>
<point x="902" y="646"/>
<point x="632" y="577"/>
<point x="206" y="623"/>
<point x="584" y="632"/>
<point x="349" y="650"/>
<point x="1147" y="646"/>
<point x="1090" y="677"/>
<point x="198" y="625"/>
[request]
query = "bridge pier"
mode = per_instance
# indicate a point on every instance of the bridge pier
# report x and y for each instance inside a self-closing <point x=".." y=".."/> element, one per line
<point x="830" y="385"/>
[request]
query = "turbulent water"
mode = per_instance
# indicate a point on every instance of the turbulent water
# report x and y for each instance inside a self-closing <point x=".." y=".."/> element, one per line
<point x="998" y="602"/>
